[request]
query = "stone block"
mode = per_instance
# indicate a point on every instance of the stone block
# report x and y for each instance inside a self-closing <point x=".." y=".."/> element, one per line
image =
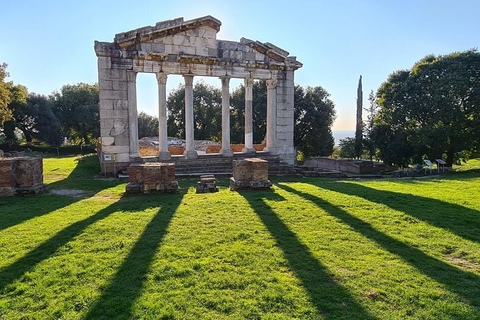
<point x="152" y="177"/>
<point x="113" y="114"/>
<point x="122" y="139"/>
<point x="250" y="173"/>
<point x="122" y="157"/>
<point x="121" y="104"/>
<point x="120" y="85"/>
<point x="113" y="95"/>
<point x="106" y="141"/>
<point x="21" y="176"/>
<point x="242" y="170"/>
<point x="158" y="47"/>
<point x="104" y="63"/>
<point x="105" y="85"/>
<point x="116" y="149"/>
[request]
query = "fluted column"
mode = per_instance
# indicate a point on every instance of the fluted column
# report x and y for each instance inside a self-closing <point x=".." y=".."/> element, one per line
<point x="248" y="116"/>
<point x="226" y="151"/>
<point x="271" y="115"/>
<point x="132" y="113"/>
<point x="163" y="153"/>
<point x="190" y="152"/>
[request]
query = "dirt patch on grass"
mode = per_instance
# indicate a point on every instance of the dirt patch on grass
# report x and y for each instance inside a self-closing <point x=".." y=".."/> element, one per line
<point x="69" y="192"/>
<point x="463" y="263"/>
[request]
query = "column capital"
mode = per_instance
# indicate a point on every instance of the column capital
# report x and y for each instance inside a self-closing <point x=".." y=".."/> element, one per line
<point x="248" y="82"/>
<point x="162" y="78"/>
<point x="271" y="84"/>
<point x="188" y="79"/>
<point x="225" y="80"/>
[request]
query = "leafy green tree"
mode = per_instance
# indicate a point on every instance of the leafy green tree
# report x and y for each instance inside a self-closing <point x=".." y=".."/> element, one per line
<point x="372" y="112"/>
<point x="76" y="107"/>
<point x="5" y="95"/>
<point x="347" y="148"/>
<point x="359" y="127"/>
<point x="207" y="108"/>
<point x="147" y="125"/>
<point x="17" y="106"/>
<point x="45" y="125"/>
<point x="430" y="111"/>
<point x="314" y="116"/>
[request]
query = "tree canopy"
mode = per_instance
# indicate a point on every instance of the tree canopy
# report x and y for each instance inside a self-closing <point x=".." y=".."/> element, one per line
<point x="76" y="108"/>
<point x="431" y="111"/>
<point x="5" y="95"/>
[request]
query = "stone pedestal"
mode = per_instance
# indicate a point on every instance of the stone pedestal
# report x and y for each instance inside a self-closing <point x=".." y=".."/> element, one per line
<point x="207" y="184"/>
<point x="151" y="177"/>
<point x="21" y="176"/>
<point x="251" y="173"/>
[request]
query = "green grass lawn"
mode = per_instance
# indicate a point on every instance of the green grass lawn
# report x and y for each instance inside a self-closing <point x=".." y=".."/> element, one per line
<point x="307" y="249"/>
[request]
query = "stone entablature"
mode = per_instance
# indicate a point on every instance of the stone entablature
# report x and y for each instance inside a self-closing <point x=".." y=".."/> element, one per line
<point x="190" y="48"/>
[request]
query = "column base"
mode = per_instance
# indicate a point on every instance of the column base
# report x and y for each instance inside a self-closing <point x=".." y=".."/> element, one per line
<point x="270" y="149"/>
<point x="226" y="152"/>
<point x="249" y="150"/>
<point x="190" y="154"/>
<point x="164" y="155"/>
<point x="134" y="156"/>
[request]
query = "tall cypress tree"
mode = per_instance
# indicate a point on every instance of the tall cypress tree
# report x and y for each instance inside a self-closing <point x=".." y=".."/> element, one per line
<point x="359" y="128"/>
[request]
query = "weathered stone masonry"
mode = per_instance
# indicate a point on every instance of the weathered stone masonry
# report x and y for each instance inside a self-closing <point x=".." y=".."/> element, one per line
<point x="190" y="48"/>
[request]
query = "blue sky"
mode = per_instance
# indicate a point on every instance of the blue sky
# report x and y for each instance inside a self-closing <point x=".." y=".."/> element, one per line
<point x="50" y="43"/>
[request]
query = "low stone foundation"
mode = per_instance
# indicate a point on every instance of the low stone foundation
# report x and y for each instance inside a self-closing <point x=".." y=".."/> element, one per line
<point x="151" y="177"/>
<point x="251" y="173"/>
<point x="347" y="165"/>
<point x="207" y="184"/>
<point x="21" y="176"/>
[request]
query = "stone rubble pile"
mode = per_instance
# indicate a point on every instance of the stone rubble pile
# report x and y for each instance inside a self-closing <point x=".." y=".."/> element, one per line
<point x="207" y="184"/>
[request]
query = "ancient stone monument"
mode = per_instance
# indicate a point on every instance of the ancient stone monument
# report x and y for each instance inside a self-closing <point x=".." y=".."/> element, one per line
<point x="190" y="48"/>
<point x="207" y="184"/>
<point x="250" y="173"/>
<point x="151" y="177"/>
<point x="21" y="176"/>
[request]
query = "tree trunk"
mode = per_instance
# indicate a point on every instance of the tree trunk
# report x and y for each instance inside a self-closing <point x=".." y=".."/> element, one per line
<point x="450" y="158"/>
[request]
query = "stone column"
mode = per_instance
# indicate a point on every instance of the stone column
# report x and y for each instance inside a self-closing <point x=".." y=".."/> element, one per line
<point x="271" y="115"/>
<point x="248" y="116"/>
<point x="163" y="153"/>
<point x="132" y="113"/>
<point x="226" y="151"/>
<point x="190" y="152"/>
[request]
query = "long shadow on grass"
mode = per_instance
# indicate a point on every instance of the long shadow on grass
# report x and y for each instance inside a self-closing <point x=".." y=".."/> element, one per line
<point x="463" y="283"/>
<point x="19" y="209"/>
<point x="460" y="220"/>
<point x="329" y="298"/>
<point x="45" y="250"/>
<point x="118" y="298"/>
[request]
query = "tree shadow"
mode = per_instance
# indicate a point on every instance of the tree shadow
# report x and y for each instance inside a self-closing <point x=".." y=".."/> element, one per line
<point x="118" y="298"/>
<point x="329" y="298"/>
<point x="26" y="263"/>
<point x="460" y="282"/>
<point x="16" y="210"/>
<point x="460" y="220"/>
